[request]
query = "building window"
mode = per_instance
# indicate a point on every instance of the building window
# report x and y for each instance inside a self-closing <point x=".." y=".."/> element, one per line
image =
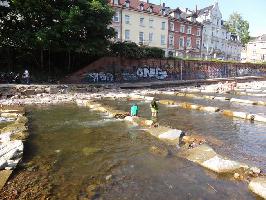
<point x="127" y="35"/>
<point x="117" y="35"/>
<point x="141" y="7"/>
<point x="141" y="37"/>
<point x="181" y="42"/>
<point x="162" y="39"/>
<point x="150" y="23"/>
<point x="116" y="2"/>
<point x="182" y="29"/>
<point x="127" y="19"/>
<point x="198" y="44"/>
<point x="171" y="40"/>
<point x="141" y="21"/>
<point x="188" y="42"/>
<point x="172" y="26"/>
<point x="116" y="16"/>
<point x="150" y="37"/>
<point x="127" y="3"/>
<point x="150" y="9"/>
<point x="163" y="25"/>
<point x="189" y="30"/>
<point x="198" y="32"/>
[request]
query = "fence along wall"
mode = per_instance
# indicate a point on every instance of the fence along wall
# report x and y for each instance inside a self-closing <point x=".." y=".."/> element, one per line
<point x="115" y="69"/>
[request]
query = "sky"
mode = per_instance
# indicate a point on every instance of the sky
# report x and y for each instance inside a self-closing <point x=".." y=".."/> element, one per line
<point x="254" y="11"/>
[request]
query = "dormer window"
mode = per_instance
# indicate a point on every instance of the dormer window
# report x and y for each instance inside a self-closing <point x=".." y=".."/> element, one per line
<point x="150" y="9"/>
<point x="127" y="4"/>
<point x="141" y="7"/>
<point x="115" y="2"/>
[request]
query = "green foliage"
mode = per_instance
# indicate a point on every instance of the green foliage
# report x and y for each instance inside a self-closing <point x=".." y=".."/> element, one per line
<point x="132" y="50"/>
<point x="80" y="25"/>
<point x="237" y="25"/>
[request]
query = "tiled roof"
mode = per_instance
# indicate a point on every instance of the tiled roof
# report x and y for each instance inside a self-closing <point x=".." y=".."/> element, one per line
<point x="135" y="4"/>
<point x="204" y="10"/>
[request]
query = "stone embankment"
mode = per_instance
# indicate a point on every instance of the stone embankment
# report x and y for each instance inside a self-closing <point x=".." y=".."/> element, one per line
<point x="11" y="141"/>
<point x="193" y="148"/>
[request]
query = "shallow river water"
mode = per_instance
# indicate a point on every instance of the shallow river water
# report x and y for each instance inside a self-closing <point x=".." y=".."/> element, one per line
<point x="92" y="156"/>
<point x="86" y="155"/>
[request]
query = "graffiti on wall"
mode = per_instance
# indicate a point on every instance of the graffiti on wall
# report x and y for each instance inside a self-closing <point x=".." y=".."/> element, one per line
<point x="99" y="77"/>
<point x="151" y="72"/>
<point x="169" y="70"/>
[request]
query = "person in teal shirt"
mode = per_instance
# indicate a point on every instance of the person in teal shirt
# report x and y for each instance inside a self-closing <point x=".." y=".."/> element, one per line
<point x="134" y="110"/>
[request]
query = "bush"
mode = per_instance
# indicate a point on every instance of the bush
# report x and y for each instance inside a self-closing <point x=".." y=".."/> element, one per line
<point x="132" y="50"/>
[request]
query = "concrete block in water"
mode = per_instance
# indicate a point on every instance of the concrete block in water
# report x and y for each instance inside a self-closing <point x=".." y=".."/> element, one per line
<point x="171" y="134"/>
<point x="221" y="165"/>
<point x="245" y="101"/>
<point x="209" y="109"/>
<point x="205" y="156"/>
<point x="10" y="150"/>
<point x="259" y="118"/>
<point x="167" y="102"/>
<point x="258" y="186"/>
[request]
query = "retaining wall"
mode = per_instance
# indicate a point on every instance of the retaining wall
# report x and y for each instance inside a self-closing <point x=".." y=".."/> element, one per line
<point x="117" y="69"/>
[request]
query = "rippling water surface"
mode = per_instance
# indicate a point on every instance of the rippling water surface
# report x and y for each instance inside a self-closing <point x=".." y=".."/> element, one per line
<point x="87" y="151"/>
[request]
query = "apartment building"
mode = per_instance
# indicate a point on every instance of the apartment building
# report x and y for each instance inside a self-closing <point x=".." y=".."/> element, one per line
<point x="184" y="34"/>
<point x="255" y="50"/>
<point x="217" y="42"/>
<point x="141" y="22"/>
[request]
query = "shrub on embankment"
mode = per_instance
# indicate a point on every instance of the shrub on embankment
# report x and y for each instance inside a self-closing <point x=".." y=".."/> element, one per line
<point x="132" y="50"/>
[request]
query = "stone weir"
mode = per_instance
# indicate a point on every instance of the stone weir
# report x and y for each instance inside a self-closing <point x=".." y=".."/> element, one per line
<point x="229" y="113"/>
<point x="193" y="148"/>
<point x="12" y="137"/>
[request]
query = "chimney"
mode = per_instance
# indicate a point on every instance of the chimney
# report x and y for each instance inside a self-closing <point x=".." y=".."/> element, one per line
<point x="186" y="10"/>
<point x="163" y="5"/>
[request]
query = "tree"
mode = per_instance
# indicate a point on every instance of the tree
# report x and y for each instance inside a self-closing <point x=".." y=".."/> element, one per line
<point x="80" y="26"/>
<point x="237" y="25"/>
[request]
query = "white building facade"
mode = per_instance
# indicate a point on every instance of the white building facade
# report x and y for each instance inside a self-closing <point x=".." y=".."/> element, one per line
<point x="217" y="42"/>
<point x="255" y="51"/>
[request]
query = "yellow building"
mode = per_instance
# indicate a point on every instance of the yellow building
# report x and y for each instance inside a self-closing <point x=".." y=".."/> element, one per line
<point x="141" y="22"/>
<point x="144" y="28"/>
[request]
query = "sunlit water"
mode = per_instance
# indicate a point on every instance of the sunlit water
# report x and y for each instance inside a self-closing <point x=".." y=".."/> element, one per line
<point x="237" y="139"/>
<point x="85" y="148"/>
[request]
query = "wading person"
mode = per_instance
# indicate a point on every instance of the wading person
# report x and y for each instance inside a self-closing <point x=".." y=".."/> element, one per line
<point x="154" y="109"/>
<point x="134" y="110"/>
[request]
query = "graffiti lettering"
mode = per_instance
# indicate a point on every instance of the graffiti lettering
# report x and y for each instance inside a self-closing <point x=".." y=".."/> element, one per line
<point x="149" y="72"/>
<point x="99" y="77"/>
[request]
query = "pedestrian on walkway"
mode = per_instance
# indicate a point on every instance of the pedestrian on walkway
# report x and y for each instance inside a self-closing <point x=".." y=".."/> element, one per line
<point x="26" y="76"/>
